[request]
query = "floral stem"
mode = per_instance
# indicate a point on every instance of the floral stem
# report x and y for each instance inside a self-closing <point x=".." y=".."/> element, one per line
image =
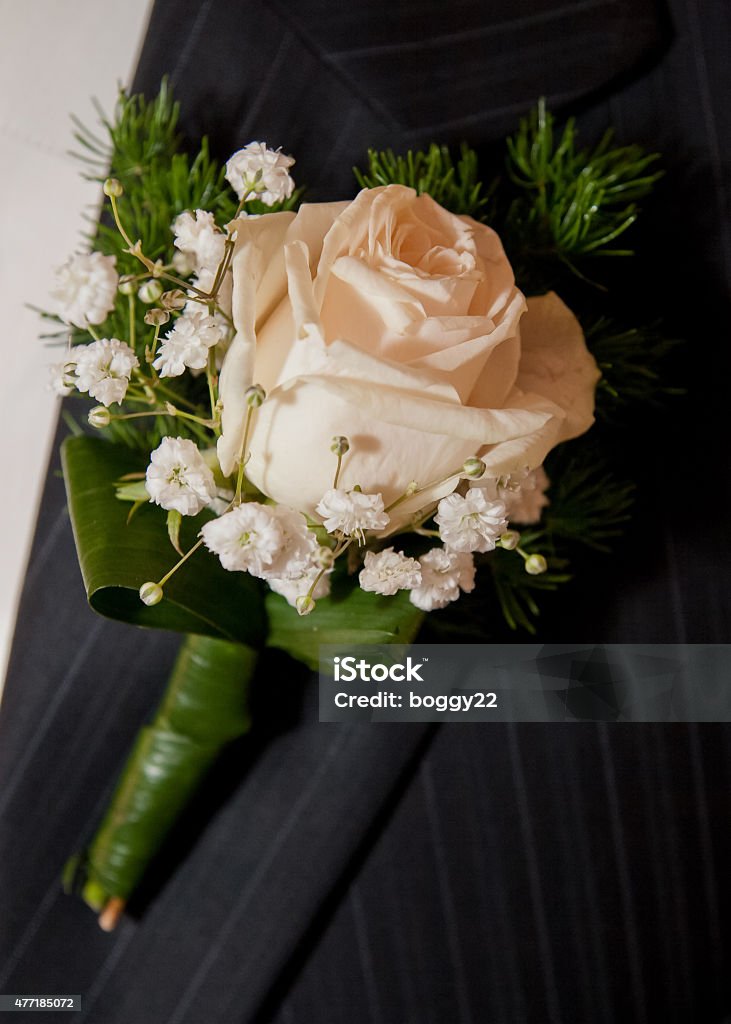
<point x="186" y="556"/>
<point x="210" y="375"/>
<point x="337" y="470"/>
<point x="131" y="306"/>
<point x="118" y="222"/>
<point x="150" y="354"/>
<point x="339" y="549"/>
<point x="242" y="457"/>
<point x="176" y="399"/>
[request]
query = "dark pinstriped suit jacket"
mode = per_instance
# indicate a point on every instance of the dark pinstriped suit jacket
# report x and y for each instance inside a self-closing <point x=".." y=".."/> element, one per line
<point x="395" y="874"/>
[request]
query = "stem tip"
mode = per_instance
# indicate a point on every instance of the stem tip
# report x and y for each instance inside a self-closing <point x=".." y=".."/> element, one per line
<point x="110" y="915"/>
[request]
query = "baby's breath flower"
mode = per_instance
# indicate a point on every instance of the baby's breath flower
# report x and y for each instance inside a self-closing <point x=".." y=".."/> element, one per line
<point x="183" y="263"/>
<point x="262" y="171"/>
<point x="61" y="378"/>
<point x="197" y="236"/>
<point x="268" y="541"/>
<point x="444" y="574"/>
<point x="178" y="477"/>
<point x="85" y="288"/>
<point x="187" y="345"/>
<point x="389" y="571"/>
<point x="204" y="280"/>
<point x="294" y="590"/>
<point x="472" y="522"/>
<point x="103" y="369"/>
<point x="526" y="498"/>
<point x="299" y="550"/>
<point x="352" y="512"/>
<point x="246" y="539"/>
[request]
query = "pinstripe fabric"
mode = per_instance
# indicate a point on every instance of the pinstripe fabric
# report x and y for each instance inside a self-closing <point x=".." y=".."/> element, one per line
<point x="392" y="875"/>
<point x="629" y="936"/>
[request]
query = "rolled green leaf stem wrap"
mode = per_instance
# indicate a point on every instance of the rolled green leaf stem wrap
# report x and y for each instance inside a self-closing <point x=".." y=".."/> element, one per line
<point x="204" y="707"/>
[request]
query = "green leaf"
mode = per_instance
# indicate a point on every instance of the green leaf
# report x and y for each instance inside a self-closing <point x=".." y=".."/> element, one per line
<point x="175" y="519"/>
<point x="350" y="616"/>
<point x="205" y="707"/>
<point x="117" y="557"/>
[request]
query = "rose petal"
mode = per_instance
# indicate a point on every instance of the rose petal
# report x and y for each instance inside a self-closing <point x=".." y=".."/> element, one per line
<point x="261" y="281"/>
<point x="556" y="363"/>
<point x="401" y="426"/>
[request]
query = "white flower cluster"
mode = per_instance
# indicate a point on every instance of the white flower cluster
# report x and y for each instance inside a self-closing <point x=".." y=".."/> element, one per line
<point x="352" y="513"/>
<point x="85" y="288"/>
<point x="277" y="544"/>
<point x="471" y="522"/>
<point x="524" y="495"/>
<point x="272" y="542"/>
<point x="102" y="370"/>
<point x="435" y="579"/>
<point x="260" y="172"/>
<point x="197" y="236"/>
<point x="187" y="345"/>
<point x="444" y="575"/>
<point x="178" y="478"/>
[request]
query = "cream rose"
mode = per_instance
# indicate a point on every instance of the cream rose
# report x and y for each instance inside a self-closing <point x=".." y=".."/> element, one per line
<point x="396" y="324"/>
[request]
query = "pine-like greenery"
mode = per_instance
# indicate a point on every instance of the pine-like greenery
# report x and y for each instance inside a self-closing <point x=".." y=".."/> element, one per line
<point x="572" y="203"/>
<point x="632" y="361"/>
<point x="455" y="185"/>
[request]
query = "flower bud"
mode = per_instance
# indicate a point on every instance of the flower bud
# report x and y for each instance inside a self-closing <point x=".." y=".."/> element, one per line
<point x="127" y="286"/>
<point x="99" y="417"/>
<point x="305" y="604"/>
<point x="509" y="540"/>
<point x="174" y="299"/>
<point x="535" y="565"/>
<point x="151" y="593"/>
<point x="68" y="379"/>
<point x="156" y="317"/>
<point x="255" y="395"/>
<point x="183" y="263"/>
<point x="150" y="291"/>
<point x="112" y="187"/>
<point x="340" y="445"/>
<point x="325" y="558"/>
<point x="473" y="468"/>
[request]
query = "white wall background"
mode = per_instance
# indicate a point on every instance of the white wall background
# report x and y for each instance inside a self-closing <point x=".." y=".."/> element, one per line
<point x="54" y="56"/>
